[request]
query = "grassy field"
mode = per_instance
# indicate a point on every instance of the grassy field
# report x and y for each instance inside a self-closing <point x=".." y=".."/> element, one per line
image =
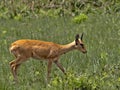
<point x="99" y="69"/>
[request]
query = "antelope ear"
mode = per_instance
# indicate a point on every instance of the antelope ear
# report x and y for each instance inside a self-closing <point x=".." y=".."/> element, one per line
<point x="77" y="39"/>
<point x="81" y="37"/>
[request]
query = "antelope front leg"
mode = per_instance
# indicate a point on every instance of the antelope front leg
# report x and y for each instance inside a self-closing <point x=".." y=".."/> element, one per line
<point x="49" y="69"/>
<point x="60" y="66"/>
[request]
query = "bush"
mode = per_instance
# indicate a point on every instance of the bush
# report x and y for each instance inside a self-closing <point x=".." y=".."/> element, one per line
<point x="80" y="18"/>
<point x="28" y="8"/>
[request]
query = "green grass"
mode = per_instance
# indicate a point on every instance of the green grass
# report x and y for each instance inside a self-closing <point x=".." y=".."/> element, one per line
<point x="99" y="69"/>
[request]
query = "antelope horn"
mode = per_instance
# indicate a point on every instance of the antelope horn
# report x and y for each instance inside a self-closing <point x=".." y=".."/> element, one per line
<point x="81" y="37"/>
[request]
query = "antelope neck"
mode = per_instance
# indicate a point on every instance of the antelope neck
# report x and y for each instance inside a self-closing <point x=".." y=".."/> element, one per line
<point x="68" y="47"/>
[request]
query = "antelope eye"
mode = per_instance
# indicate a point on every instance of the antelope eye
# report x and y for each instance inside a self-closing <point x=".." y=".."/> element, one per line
<point x="81" y="45"/>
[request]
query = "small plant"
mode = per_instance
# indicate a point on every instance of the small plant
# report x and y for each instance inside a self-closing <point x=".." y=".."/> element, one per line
<point x="72" y="81"/>
<point x="80" y="18"/>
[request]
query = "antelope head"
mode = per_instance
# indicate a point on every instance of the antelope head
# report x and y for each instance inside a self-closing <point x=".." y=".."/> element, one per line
<point x="79" y="45"/>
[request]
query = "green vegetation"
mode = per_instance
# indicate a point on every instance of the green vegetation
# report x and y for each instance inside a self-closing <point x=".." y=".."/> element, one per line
<point x="59" y="21"/>
<point x="99" y="69"/>
<point x="17" y="9"/>
<point x="80" y="18"/>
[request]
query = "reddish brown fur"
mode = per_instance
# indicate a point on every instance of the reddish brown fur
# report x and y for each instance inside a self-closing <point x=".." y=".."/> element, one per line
<point x="24" y="49"/>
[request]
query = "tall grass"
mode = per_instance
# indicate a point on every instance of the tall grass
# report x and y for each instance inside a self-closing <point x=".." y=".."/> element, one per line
<point x="98" y="69"/>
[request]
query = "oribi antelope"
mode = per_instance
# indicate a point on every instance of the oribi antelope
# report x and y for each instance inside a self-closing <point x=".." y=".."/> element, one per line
<point x="37" y="49"/>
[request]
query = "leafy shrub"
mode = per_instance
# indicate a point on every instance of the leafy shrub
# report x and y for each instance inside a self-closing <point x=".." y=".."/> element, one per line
<point x="73" y="82"/>
<point x="80" y="18"/>
<point x="11" y="8"/>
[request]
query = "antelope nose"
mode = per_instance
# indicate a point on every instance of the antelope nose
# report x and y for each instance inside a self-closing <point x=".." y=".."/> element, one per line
<point x="85" y="52"/>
